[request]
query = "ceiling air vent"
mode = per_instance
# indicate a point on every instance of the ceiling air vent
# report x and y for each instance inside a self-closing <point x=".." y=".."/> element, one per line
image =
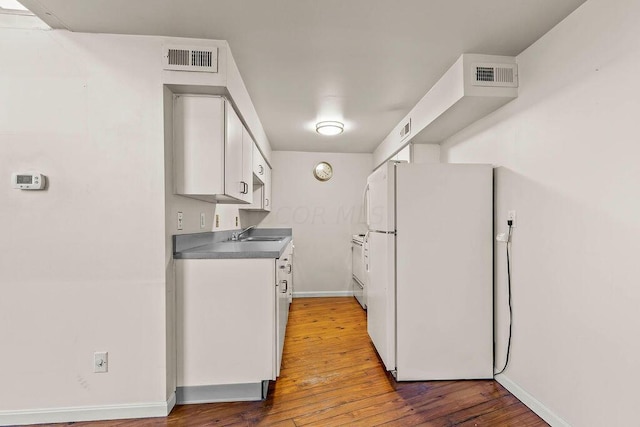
<point x="185" y="58"/>
<point x="500" y="75"/>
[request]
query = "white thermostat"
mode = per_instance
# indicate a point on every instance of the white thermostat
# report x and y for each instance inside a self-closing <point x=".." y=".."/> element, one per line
<point x="28" y="181"/>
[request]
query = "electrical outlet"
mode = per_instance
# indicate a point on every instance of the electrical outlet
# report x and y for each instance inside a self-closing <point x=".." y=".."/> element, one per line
<point x="237" y="221"/>
<point x="180" y="220"/>
<point x="101" y="361"/>
<point x="203" y="219"/>
<point x="511" y="216"/>
<point x="217" y="221"/>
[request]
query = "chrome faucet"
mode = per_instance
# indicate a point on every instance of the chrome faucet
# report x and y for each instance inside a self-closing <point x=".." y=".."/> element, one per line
<point x="236" y="236"/>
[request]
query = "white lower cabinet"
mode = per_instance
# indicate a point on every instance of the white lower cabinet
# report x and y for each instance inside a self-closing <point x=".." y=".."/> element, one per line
<point x="283" y="300"/>
<point x="231" y="317"/>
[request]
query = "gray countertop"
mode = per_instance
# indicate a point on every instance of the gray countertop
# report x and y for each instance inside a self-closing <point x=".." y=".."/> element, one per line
<point x="217" y="245"/>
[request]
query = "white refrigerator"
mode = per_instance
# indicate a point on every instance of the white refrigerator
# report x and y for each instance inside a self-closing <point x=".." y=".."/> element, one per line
<point x="430" y="269"/>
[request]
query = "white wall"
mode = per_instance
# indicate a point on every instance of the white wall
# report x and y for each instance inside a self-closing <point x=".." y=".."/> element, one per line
<point x="567" y="155"/>
<point x="83" y="262"/>
<point x="88" y="263"/>
<point x="425" y="153"/>
<point x="323" y="215"/>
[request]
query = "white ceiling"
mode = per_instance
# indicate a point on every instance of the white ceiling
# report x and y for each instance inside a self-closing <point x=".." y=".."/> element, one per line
<point x="364" y="62"/>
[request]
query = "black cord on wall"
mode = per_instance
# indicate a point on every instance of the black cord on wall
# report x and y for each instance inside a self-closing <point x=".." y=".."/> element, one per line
<point x="506" y="363"/>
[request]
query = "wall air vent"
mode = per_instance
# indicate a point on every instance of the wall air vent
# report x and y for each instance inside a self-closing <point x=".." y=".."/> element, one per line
<point x="499" y="75"/>
<point x="405" y="130"/>
<point x="185" y="58"/>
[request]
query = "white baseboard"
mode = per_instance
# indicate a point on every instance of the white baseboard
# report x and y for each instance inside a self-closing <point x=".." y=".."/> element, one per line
<point x="88" y="413"/>
<point x="171" y="403"/>
<point x="534" y="404"/>
<point x="245" y="392"/>
<point x="322" y="294"/>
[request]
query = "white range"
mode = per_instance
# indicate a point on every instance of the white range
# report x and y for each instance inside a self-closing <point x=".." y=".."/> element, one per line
<point x="358" y="276"/>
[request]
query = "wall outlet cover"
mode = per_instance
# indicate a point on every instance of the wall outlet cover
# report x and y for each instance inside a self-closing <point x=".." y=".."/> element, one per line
<point x="101" y="362"/>
<point x="180" y="220"/>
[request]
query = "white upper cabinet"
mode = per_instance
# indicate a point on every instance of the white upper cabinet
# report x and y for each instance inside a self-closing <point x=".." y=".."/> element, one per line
<point x="259" y="165"/>
<point x="212" y="156"/>
<point x="267" y="190"/>
<point x="261" y="193"/>
<point x="234" y="185"/>
<point x="246" y="162"/>
<point x="261" y="183"/>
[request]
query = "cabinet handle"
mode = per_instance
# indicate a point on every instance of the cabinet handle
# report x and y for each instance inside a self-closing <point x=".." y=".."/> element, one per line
<point x="290" y="269"/>
<point x="286" y="286"/>
<point x="266" y="202"/>
<point x="261" y="169"/>
<point x="245" y="188"/>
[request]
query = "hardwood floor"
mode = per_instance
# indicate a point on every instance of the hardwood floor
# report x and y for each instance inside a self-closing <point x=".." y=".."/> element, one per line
<point x="331" y="376"/>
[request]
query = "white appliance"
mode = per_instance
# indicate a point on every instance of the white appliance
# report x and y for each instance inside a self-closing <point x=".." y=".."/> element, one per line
<point x="430" y="269"/>
<point x="358" y="277"/>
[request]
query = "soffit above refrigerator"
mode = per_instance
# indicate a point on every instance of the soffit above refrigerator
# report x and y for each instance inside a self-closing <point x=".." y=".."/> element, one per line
<point x="472" y="88"/>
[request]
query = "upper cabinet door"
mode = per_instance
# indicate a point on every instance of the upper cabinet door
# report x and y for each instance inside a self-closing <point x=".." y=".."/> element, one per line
<point x="234" y="184"/>
<point x="261" y="193"/>
<point x="198" y="146"/>
<point x="267" y="188"/>
<point x="259" y="164"/>
<point x="247" y="164"/>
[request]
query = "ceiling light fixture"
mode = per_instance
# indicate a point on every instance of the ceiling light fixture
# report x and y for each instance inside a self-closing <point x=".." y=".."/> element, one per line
<point x="329" y="128"/>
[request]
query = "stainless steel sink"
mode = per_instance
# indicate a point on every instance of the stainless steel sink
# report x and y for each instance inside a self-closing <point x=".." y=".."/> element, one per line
<point x="260" y="239"/>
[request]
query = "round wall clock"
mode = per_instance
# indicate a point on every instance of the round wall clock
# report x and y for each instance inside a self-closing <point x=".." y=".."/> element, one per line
<point x="323" y="171"/>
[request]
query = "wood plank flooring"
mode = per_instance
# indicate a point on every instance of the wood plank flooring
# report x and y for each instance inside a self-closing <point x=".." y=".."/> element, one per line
<point x="331" y="376"/>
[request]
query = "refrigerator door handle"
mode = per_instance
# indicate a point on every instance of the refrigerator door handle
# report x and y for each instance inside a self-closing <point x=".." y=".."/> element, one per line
<point x="365" y="203"/>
